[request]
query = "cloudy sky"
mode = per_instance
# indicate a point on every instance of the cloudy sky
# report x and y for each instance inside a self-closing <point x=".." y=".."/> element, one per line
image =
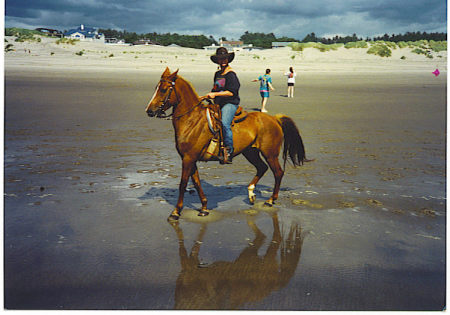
<point x="231" y="18"/>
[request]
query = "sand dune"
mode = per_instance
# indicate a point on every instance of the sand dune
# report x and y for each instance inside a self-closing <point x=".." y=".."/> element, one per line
<point x="48" y="53"/>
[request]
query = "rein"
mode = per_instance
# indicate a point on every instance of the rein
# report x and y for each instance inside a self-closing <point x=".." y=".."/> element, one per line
<point x="188" y="111"/>
<point x="167" y="98"/>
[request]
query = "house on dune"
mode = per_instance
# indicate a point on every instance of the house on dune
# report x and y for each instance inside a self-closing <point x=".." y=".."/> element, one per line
<point x="84" y="33"/>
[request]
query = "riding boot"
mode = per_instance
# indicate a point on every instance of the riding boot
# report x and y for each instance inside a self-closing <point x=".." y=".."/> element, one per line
<point x="227" y="158"/>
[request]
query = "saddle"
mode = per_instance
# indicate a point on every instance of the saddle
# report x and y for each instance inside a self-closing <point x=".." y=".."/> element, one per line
<point x="213" y="116"/>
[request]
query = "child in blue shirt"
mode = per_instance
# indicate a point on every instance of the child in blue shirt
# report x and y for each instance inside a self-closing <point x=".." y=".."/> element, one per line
<point x="264" y="87"/>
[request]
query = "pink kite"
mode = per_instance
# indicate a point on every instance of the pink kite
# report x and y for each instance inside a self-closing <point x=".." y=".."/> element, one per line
<point x="436" y="72"/>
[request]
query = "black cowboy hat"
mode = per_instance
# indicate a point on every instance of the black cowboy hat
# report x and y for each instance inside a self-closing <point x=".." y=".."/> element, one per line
<point x="222" y="52"/>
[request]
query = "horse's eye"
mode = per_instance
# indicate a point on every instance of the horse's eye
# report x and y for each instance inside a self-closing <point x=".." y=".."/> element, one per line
<point x="163" y="90"/>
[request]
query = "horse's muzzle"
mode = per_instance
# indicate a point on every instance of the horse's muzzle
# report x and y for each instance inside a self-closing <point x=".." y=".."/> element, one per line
<point x="151" y="113"/>
<point x="158" y="113"/>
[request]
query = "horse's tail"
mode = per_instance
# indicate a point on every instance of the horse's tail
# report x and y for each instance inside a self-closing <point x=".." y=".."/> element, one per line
<point x="293" y="143"/>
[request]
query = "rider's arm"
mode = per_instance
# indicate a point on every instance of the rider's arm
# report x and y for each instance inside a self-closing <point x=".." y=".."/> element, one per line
<point x="215" y="94"/>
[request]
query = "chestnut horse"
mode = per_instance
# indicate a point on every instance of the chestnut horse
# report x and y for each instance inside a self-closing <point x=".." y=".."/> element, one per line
<point x="259" y="134"/>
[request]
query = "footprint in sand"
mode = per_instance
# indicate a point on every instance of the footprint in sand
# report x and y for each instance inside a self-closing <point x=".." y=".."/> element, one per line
<point x="346" y="204"/>
<point x="299" y="202"/>
<point x="374" y="202"/>
<point x="306" y="203"/>
<point x="427" y="212"/>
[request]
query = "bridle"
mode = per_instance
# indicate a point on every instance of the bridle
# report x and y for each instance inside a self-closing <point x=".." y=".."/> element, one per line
<point x="161" y="111"/>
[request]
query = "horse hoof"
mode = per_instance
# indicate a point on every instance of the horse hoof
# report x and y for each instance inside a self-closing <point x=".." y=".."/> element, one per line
<point x="268" y="204"/>
<point x="203" y="213"/>
<point x="173" y="218"/>
<point x="252" y="200"/>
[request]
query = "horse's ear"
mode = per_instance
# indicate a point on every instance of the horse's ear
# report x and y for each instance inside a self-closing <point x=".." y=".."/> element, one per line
<point x="166" y="72"/>
<point x="173" y="76"/>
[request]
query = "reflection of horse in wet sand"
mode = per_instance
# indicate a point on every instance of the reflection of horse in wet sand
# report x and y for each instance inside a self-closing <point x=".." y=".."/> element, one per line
<point x="249" y="278"/>
<point x="258" y="135"/>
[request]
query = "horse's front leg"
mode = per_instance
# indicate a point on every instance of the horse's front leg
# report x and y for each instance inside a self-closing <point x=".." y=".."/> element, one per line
<point x="187" y="169"/>
<point x="196" y="180"/>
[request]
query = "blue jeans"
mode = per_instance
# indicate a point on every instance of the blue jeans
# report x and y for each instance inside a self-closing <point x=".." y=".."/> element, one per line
<point x="228" y="111"/>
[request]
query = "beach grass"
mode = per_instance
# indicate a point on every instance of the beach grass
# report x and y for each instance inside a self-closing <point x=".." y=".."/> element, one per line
<point x="320" y="46"/>
<point x="380" y="49"/>
<point x="65" y="40"/>
<point x="16" y="31"/>
<point x="424" y="52"/>
<point x="358" y="44"/>
<point x="402" y="45"/>
<point x="27" y="38"/>
<point x="438" y="46"/>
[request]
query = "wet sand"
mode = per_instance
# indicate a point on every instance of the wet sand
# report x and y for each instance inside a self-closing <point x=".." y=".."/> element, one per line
<point x="90" y="181"/>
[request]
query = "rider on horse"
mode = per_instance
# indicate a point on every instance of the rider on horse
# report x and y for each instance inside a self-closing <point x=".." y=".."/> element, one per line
<point x="225" y="93"/>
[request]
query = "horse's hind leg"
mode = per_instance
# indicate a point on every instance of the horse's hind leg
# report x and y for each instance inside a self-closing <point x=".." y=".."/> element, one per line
<point x="253" y="156"/>
<point x="278" y="174"/>
<point x="196" y="180"/>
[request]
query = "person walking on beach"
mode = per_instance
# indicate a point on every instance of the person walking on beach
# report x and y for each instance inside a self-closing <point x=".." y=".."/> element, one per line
<point x="225" y="92"/>
<point x="290" y="81"/>
<point x="265" y="85"/>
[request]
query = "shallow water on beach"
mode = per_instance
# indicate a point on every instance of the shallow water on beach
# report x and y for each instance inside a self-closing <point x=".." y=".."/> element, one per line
<point x="90" y="181"/>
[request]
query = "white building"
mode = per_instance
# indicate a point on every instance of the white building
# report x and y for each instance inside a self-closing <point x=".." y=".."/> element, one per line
<point x="85" y="34"/>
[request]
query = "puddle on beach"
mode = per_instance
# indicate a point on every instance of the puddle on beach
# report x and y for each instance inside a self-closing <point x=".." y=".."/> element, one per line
<point x="107" y="244"/>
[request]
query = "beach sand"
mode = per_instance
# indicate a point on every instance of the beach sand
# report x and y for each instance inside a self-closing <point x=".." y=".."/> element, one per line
<point x="90" y="180"/>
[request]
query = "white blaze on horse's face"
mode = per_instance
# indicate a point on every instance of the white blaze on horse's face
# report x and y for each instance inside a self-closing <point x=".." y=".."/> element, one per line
<point x="163" y="97"/>
<point x="153" y="97"/>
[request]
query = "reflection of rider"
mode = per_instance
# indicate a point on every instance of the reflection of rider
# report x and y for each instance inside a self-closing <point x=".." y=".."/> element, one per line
<point x="226" y="94"/>
<point x="249" y="278"/>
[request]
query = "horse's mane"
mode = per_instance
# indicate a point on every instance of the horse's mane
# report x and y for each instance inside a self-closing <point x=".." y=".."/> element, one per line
<point x="188" y="84"/>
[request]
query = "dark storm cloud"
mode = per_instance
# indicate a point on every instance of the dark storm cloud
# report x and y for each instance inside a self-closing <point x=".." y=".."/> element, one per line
<point x="411" y="11"/>
<point x="232" y="18"/>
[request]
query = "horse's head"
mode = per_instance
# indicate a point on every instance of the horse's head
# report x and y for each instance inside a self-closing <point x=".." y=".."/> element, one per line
<point x="165" y="95"/>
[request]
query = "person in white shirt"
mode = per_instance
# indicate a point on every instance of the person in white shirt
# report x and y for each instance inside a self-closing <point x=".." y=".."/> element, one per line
<point x="291" y="81"/>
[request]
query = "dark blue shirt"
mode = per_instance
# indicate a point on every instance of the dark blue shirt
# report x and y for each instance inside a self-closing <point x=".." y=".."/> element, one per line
<point x="227" y="82"/>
